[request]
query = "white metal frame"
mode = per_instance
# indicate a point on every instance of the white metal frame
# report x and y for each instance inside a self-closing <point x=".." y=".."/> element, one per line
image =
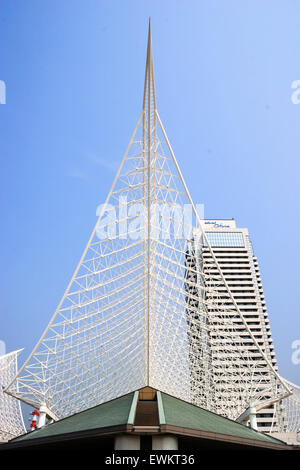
<point x="291" y="409"/>
<point x="140" y="310"/>
<point x="11" y="418"/>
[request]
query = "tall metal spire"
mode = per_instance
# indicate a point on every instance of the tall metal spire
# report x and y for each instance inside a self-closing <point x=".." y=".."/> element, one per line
<point x="149" y="85"/>
<point x="149" y="148"/>
<point x="139" y="309"/>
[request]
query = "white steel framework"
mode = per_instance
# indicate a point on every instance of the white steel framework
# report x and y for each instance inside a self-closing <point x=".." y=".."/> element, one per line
<point x="291" y="409"/>
<point x="11" y="419"/>
<point x="138" y="305"/>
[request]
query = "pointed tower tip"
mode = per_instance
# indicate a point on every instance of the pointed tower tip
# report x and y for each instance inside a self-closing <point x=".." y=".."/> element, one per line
<point x="149" y="31"/>
<point x="149" y="87"/>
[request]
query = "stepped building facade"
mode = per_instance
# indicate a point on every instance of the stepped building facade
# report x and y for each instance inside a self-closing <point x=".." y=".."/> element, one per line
<point x="233" y="251"/>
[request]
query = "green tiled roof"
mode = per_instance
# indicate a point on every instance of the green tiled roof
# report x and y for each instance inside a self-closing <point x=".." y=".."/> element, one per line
<point x="172" y="411"/>
<point x="112" y="413"/>
<point x="183" y="414"/>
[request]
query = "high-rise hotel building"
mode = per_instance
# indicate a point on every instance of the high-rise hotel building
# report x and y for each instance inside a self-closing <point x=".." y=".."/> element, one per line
<point x="232" y="248"/>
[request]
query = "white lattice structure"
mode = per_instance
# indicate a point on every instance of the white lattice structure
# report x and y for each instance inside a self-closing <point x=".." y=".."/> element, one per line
<point x="139" y="310"/>
<point x="11" y="419"/>
<point x="291" y="406"/>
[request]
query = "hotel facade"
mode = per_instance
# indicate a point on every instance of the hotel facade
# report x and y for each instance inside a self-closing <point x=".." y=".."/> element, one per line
<point x="233" y="250"/>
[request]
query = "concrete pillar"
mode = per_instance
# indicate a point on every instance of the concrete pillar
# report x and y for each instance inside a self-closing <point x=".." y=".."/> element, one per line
<point x="252" y="417"/>
<point x="164" y="442"/>
<point x="43" y="415"/>
<point x="127" y="442"/>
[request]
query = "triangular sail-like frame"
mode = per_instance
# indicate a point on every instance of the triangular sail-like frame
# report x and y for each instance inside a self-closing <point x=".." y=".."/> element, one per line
<point x="139" y="309"/>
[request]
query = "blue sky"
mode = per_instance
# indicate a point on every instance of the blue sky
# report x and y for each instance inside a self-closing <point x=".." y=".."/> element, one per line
<point x="74" y="75"/>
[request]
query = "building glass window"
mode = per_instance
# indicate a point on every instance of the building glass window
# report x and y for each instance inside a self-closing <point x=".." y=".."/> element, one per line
<point x="230" y="239"/>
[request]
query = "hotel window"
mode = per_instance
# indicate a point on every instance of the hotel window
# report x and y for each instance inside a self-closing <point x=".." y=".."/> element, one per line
<point x="225" y="239"/>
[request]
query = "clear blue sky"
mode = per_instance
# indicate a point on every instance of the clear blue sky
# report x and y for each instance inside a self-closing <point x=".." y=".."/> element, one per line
<point x="74" y="76"/>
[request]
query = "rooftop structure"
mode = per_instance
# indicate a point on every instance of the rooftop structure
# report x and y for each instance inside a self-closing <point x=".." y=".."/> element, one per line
<point x="143" y="420"/>
<point x="125" y="322"/>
